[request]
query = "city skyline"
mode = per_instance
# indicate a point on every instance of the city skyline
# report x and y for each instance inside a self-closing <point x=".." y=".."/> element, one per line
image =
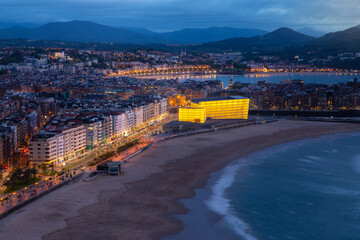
<point x="160" y="15"/>
<point x="179" y="119"/>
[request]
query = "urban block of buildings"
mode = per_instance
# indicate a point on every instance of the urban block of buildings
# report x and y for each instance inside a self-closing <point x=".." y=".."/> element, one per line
<point x="67" y="136"/>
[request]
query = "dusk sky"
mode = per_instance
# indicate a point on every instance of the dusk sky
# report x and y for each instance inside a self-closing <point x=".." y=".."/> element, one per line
<point x="326" y="15"/>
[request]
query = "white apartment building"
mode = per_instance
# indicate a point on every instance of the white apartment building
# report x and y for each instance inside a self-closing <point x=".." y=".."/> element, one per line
<point x="161" y="107"/>
<point x="74" y="141"/>
<point x="119" y="122"/>
<point x="46" y="148"/>
<point x="57" y="148"/>
<point x="149" y="112"/>
<point x="129" y="114"/>
<point x="138" y="115"/>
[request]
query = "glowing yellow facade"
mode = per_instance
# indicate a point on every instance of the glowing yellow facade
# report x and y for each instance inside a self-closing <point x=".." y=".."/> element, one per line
<point x="192" y="115"/>
<point x="234" y="107"/>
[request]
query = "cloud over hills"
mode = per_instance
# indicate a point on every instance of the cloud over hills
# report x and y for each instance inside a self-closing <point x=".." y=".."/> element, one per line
<point x="326" y="15"/>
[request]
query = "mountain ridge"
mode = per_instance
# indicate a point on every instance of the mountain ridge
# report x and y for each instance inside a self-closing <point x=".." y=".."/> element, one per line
<point x="278" y="39"/>
<point x="86" y="31"/>
<point x="202" y="35"/>
<point x="340" y="41"/>
<point x="79" y="31"/>
<point x="347" y="40"/>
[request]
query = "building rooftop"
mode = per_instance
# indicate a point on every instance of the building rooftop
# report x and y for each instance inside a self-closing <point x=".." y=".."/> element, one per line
<point x="45" y="135"/>
<point x="110" y="163"/>
<point x="115" y="163"/>
<point x="217" y="99"/>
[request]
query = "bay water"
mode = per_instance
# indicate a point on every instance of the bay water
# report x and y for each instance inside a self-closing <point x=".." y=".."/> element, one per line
<point x="308" y="189"/>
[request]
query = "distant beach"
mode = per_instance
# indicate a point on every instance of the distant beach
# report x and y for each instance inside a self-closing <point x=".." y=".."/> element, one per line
<point x="140" y="204"/>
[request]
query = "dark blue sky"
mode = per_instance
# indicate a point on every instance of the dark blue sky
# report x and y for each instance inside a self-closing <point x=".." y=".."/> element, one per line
<point x="326" y="15"/>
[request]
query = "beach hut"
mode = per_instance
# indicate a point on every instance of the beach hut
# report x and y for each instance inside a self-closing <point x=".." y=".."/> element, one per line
<point x="109" y="167"/>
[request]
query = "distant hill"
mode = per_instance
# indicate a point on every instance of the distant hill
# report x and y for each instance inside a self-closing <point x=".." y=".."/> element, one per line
<point x="139" y="30"/>
<point x="84" y="31"/>
<point x="286" y="37"/>
<point x="311" y="32"/>
<point x="79" y="31"/>
<point x="4" y="25"/>
<point x="280" y="38"/>
<point x="342" y="41"/>
<point x="202" y="35"/>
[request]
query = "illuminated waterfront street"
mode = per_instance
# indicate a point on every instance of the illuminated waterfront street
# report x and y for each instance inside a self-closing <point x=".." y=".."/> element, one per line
<point x="17" y="197"/>
<point x="79" y="166"/>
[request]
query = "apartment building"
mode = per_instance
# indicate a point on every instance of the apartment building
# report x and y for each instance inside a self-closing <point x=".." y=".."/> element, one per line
<point x="93" y="128"/>
<point x="149" y="112"/>
<point x="57" y="148"/>
<point x="130" y="121"/>
<point x="119" y="123"/>
<point x="138" y="115"/>
<point x="7" y="144"/>
<point x="161" y="107"/>
<point x="46" y="148"/>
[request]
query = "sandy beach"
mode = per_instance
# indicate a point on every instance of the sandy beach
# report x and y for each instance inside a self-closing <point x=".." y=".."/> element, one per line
<point x="138" y="205"/>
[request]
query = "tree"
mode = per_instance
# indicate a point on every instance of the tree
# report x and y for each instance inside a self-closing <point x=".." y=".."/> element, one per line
<point x="12" y="181"/>
<point x="15" y="57"/>
<point x="27" y="175"/>
<point x="9" y="183"/>
<point x="34" y="172"/>
<point x="17" y="173"/>
<point x="44" y="167"/>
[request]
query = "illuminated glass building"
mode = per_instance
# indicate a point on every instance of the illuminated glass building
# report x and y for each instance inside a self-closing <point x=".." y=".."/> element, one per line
<point x="192" y="115"/>
<point x="234" y="107"/>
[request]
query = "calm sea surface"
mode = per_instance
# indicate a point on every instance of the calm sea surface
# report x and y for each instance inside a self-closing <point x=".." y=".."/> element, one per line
<point x="323" y="78"/>
<point x="302" y="190"/>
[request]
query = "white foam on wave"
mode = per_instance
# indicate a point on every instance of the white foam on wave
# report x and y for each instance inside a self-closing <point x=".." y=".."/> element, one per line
<point x="350" y="146"/>
<point x="306" y="160"/>
<point x="340" y="191"/>
<point x="220" y="205"/>
<point x="315" y="158"/>
<point x="330" y="151"/>
<point x="311" y="159"/>
<point x="332" y="190"/>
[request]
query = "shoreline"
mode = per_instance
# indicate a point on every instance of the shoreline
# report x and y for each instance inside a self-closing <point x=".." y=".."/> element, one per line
<point x="246" y="74"/>
<point x="142" y="205"/>
<point x="202" y="207"/>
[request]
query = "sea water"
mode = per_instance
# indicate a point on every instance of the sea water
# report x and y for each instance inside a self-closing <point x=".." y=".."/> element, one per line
<point x="308" y="189"/>
<point x="318" y="78"/>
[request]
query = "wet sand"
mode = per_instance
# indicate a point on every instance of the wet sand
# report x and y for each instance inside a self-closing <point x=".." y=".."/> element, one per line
<point x="139" y="204"/>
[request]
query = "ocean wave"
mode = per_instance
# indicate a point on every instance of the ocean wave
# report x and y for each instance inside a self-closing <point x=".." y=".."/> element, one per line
<point x="315" y="158"/>
<point x="350" y="146"/>
<point x="330" y="151"/>
<point x="220" y="205"/>
<point x="340" y="191"/>
<point x="306" y="160"/>
<point x="333" y="190"/>
<point x="356" y="163"/>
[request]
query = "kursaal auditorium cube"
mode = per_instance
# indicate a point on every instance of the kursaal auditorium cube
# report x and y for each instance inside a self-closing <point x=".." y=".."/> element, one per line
<point x="234" y="107"/>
